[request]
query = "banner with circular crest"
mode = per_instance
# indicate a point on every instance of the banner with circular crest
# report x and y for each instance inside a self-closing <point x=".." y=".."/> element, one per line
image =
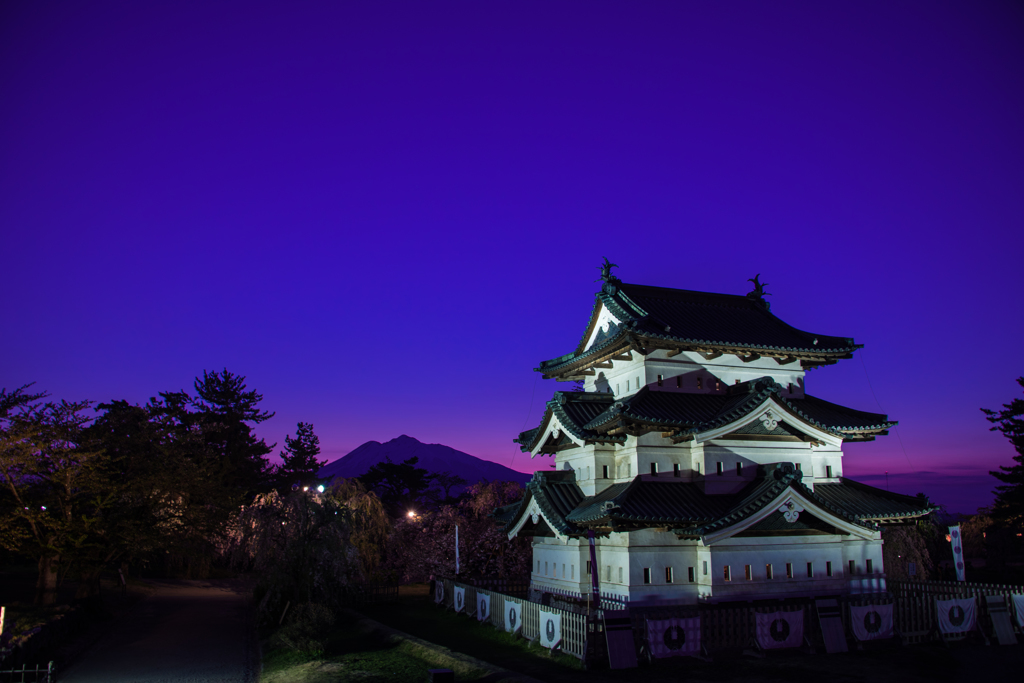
<point x="513" y="615"/>
<point x="780" y="629"/>
<point x="550" y="629"/>
<point x="460" y="598"/>
<point x="956" y="616"/>
<point x="674" y="637"/>
<point x="1018" y="608"/>
<point x="871" y="622"/>
<point x="439" y="591"/>
<point x="483" y="606"/>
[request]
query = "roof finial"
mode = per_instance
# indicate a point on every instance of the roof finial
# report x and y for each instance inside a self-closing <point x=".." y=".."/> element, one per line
<point x="758" y="294"/>
<point x="611" y="283"/>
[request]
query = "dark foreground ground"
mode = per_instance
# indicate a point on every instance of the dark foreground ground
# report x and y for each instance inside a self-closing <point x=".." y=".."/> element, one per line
<point x="415" y="614"/>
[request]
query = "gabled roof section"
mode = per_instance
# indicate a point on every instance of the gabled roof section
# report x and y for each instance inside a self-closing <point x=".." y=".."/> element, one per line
<point x="688" y="414"/>
<point x="679" y="319"/>
<point x="556" y="494"/>
<point x="572" y="410"/>
<point x="690" y="513"/>
<point x="867" y="503"/>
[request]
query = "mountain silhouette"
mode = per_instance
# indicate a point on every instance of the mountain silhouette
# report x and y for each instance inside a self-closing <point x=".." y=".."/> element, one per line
<point x="433" y="457"/>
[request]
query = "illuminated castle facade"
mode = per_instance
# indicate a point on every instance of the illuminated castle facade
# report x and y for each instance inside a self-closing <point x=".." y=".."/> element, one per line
<point x="698" y="459"/>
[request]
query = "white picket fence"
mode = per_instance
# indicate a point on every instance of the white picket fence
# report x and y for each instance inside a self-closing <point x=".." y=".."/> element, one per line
<point x="574" y="626"/>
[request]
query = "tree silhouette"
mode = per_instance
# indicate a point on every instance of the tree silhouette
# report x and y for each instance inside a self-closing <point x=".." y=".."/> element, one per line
<point x="1009" y="505"/>
<point x="300" y="465"/>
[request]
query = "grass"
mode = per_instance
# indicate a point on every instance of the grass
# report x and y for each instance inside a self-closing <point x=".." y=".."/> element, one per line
<point x="421" y="618"/>
<point x="351" y="654"/>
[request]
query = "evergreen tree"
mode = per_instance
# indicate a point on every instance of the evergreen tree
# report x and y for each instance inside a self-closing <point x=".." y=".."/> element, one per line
<point x="300" y="465"/>
<point x="1009" y="505"/>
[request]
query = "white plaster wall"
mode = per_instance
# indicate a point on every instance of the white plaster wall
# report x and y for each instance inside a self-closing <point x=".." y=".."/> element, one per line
<point x="727" y="369"/>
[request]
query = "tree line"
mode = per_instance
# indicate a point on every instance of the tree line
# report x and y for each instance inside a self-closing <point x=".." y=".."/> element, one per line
<point x="85" y="485"/>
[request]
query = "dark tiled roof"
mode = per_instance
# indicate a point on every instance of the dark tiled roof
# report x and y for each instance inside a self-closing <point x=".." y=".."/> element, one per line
<point x="573" y="409"/>
<point x="693" y="413"/>
<point x="643" y="501"/>
<point x="556" y="493"/>
<point x="869" y="503"/>
<point x="684" y="318"/>
<point x="690" y="512"/>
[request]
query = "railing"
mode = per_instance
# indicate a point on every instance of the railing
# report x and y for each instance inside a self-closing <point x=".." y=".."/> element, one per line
<point x="573" y="626"/>
<point x="915" y="604"/>
<point x="731" y="626"/>
<point x="38" y="674"/>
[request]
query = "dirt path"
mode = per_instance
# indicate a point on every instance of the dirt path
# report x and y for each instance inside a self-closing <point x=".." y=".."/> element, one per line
<point x="185" y="632"/>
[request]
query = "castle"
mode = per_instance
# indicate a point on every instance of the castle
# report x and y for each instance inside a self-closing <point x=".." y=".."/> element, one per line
<point x="697" y="458"/>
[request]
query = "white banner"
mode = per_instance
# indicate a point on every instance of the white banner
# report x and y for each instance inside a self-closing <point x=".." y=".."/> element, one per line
<point x="513" y="616"/>
<point x="439" y="591"/>
<point x="958" y="551"/>
<point x="780" y="629"/>
<point x="674" y="637"/>
<point x="483" y="606"/>
<point x="550" y="629"/>
<point x="871" y="622"/>
<point x="956" y="616"/>
<point x="1018" y="608"/>
<point x="460" y="598"/>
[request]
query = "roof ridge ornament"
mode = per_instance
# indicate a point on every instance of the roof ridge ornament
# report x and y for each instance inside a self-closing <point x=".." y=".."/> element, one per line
<point x="611" y="283"/>
<point x="758" y="294"/>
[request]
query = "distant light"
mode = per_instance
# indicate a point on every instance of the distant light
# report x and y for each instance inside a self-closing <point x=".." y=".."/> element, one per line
<point x="43" y="507"/>
<point x="412" y="514"/>
<point x="305" y="488"/>
<point x="320" y="488"/>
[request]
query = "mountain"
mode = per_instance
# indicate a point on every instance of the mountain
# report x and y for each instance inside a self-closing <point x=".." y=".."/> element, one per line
<point x="433" y="457"/>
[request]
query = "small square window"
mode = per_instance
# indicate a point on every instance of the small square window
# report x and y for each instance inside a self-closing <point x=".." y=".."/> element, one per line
<point x="604" y="471"/>
<point x="700" y="382"/>
<point x="675" y="469"/>
<point x="660" y="380"/>
<point x="828" y="471"/>
<point x="867" y="567"/>
<point x="572" y="571"/>
<point x="647" y="575"/>
<point x="705" y="567"/>
<point x="721" y="468"/>
<point x="748" y="572"/>
<point x="668" y="574"/>
<point x="789" y="570"/>
<point x="791" y="387"/>
<point x="654" y="468"/>
<point x="739" y="469"/>
<point x="810" y="570"/>
<point x="545" y="569"/>
<point x="616" y="388"/>
<point x="609" y="574"/>
<point x="853" y="567"/>
<point x="690" y="574"/>
<point x="620" y="574"/>
<point x="637" y="382"/>
<point x="679" y="381"/>
<point x="798" y="467"/>
<point x="563" y="570"/>
<point x="726" y="573"/>
<point x="538" y="566"/>
<point x="718" y="385"/>
<point x="828" y="569"/>
<point x="768" y="572"/>
<point x="627" y="385"/>
<point x="588" y="568"/>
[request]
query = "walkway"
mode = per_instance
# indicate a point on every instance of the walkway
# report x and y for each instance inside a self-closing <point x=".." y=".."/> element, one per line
<point x="185" y="632"/>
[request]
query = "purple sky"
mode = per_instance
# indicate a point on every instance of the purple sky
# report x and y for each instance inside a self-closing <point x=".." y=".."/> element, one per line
<point x="385" y="215"/>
